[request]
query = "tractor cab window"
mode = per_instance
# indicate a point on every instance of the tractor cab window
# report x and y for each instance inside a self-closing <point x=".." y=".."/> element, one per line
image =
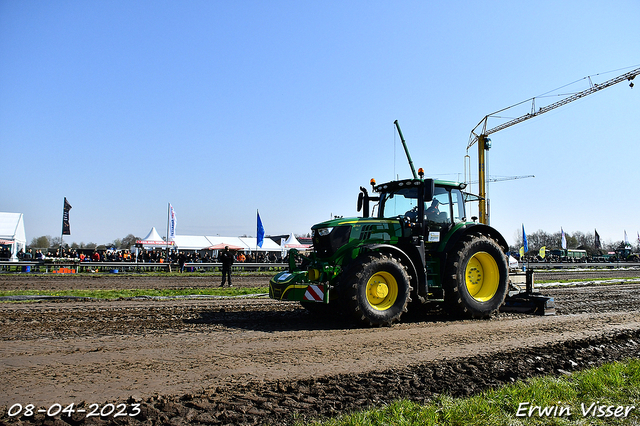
<point x="437" y="211"/>
<point x="400" y="203"/>
<point x="457" y="206"/>
<point x="447" y="207"/>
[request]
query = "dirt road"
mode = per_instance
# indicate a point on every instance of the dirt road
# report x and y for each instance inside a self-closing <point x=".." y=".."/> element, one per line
<point x="258" y="361"/>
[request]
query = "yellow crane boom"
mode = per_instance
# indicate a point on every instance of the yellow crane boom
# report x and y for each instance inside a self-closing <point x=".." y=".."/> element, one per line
<point x="480" y="137"/>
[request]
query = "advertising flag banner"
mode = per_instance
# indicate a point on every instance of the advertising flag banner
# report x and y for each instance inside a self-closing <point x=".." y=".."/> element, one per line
<point x="172" y="223"/>
<point x="66" y="229"/>
<point x="543" y="251"/>
<point x="260" y="232"/>
<point x="597" y="240"/>
<point x="524" y="240"/>
<point x="626" y="239"/>
<point x="564" y="239"/>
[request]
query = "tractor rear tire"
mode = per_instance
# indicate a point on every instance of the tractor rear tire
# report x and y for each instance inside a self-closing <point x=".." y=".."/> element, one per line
<point x="477" y="276"/>
<point x="378" y="290"/>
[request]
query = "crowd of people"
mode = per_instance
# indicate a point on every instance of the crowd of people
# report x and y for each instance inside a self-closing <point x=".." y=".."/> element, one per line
<point x="5" y="252"/>
<point x="143" y="255"/>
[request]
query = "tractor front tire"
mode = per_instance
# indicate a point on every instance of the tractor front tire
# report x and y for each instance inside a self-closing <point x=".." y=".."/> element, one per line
<point x="378" y="290"/>
<point x="477" y="278"/>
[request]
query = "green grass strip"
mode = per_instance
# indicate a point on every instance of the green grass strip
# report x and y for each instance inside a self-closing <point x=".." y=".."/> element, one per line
<point x="600" y="396"/>
<point x="127" y="293"/>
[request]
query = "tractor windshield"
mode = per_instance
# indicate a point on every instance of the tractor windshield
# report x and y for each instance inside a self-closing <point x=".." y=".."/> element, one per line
<point x="403" y="202"/>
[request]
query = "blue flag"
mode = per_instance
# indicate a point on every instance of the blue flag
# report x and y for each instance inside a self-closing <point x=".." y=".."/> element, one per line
<point x="260" y="232"/>
<point x="524" y="240"/>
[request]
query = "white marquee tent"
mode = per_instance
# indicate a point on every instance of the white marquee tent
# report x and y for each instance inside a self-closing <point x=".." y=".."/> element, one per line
<point x="292" y="242"/>
<point x="153" y="240"/>
<point x="12" y="232"/>
<point x="197" y="242"/>
<point x="205" y="242"/>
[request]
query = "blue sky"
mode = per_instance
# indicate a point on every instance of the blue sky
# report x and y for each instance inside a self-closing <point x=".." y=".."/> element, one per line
<point x="222" y="108"/>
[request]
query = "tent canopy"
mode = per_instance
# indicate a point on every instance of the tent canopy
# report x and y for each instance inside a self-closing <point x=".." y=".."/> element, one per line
<point x="206" y="242"/>
<point x="267" y="244"/>
<point x="12" y="232"/>
<point x="153" y="240"/>
<point x="292" y="242"/>
<point x="224" y="246"/>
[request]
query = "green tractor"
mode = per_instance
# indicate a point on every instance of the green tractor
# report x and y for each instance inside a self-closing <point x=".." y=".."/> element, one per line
<point x="418" y="249"/>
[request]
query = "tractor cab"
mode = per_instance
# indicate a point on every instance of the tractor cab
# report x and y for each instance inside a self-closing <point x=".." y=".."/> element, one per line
<point x="428" y="207"/>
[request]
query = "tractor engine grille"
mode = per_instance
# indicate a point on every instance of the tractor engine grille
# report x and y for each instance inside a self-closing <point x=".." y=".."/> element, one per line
<point x="326" y="245"/>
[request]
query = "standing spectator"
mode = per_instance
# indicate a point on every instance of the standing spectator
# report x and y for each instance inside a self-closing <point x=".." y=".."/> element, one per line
<point x="226" y="257"/>
<point x="182" y="259"/>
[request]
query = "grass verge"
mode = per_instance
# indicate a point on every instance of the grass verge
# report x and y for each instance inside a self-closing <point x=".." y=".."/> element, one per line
<point x="121" y="294"/>
<point x="600" y="396"/>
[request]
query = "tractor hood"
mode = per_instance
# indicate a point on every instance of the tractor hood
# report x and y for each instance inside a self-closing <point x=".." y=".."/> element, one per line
<point x="346" y="233"/>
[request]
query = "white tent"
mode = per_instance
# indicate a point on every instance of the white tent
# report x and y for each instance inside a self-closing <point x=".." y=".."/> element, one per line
<point x="292" y="242"/>
<point x="153" y="240"/>
<point x="267" y="244"/>
<point x="191" y="242"/>
<point x="220" y="242"/>
<point x="12" y="232"/>
<point x="204" y="242"/>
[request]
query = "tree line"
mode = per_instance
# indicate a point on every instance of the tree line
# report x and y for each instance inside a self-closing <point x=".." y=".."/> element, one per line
<point x="47" y="241"/>
<point x="577" y="240"/>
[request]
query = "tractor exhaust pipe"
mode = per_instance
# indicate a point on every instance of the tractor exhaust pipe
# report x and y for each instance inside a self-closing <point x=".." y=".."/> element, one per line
<point x="406" y="150"/>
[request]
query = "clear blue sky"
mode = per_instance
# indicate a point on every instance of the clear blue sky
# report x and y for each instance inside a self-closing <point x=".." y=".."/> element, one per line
<point x="225" y="107"/>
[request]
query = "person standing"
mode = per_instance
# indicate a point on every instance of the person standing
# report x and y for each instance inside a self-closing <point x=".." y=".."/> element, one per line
<point x="182" y="259"/>
<point x="226" y="257"/>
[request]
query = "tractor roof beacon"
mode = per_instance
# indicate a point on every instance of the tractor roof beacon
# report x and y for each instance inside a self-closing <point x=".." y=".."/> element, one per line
<point x="414" y="247"/>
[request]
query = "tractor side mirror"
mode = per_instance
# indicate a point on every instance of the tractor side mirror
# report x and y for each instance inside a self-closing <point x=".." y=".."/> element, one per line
<point x="363" y="201"/>
<point x="429" y="189"/>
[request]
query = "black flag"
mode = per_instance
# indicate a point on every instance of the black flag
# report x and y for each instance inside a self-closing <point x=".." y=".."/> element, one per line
<point x="66" y="230"/>
<point x="597" y="241"/>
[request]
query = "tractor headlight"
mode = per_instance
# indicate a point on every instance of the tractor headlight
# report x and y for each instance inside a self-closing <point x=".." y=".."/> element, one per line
<point x="323" y="232"/>
<point x="313" y="274"/>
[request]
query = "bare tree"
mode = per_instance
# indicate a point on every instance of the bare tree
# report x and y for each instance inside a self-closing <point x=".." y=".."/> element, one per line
<point x="43" y="242"/>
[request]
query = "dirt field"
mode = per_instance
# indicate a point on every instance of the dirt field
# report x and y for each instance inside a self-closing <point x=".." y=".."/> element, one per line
<point x="258" y="361"/>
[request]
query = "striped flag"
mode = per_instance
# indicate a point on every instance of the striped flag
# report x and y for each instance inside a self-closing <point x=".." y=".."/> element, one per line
<point x="172" y="224"/>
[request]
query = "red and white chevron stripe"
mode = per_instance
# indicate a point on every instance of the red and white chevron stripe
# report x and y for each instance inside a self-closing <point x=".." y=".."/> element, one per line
<point x="314" y="293"/>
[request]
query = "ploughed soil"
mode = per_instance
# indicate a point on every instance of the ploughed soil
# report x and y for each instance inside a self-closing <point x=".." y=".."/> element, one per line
<point x="258" y="361"/>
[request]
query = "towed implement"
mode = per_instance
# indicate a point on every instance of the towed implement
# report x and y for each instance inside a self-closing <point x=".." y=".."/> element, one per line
<point x="417" y="250"/>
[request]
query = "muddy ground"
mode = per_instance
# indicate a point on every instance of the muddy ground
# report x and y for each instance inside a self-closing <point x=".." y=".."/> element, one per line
<point x="258" y="361"/>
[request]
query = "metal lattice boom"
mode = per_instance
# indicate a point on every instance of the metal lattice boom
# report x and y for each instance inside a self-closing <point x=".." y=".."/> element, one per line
<point x="594" y="88"/>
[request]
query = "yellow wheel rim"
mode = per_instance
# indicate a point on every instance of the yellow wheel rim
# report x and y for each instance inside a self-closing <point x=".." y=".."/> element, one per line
<point x="382" y="291"/>
<point x="482" y="276"/>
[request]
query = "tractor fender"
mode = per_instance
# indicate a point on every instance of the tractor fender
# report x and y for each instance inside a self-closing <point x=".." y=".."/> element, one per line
<point x="477" y="229"/>
<point x="404" y="258"/>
